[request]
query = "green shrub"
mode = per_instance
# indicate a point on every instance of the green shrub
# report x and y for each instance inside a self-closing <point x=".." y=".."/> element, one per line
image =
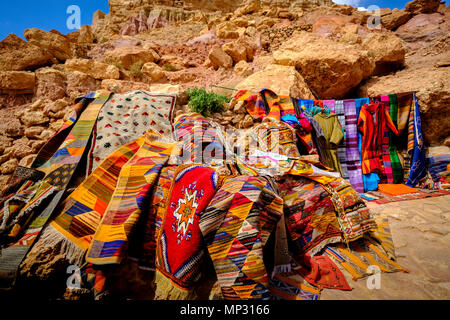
<point x="169" y="67"/>
<point x="136" y="69"/>
<point x="206" y="103"/>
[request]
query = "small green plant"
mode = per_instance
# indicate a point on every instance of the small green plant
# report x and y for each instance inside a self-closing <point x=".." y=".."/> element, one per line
<point x="169" y="67"/>
<point x="118" y="65"/>
<point x="136" y="69"/>
<point x="206" y="103"/>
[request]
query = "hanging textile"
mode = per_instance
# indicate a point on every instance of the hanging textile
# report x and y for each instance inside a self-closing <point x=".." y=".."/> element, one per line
<point x="397" y="170"/>
<point x="352" y="156"/>
<point x="373" y="123"/>
<point x="416" y="149"/>
<point x="333" y="134"/>
<point x="370" y="180"/>
<point x="342" y="153"/>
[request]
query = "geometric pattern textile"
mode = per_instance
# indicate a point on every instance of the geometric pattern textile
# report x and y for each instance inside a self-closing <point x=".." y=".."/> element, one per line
<point x="235" y="227"/>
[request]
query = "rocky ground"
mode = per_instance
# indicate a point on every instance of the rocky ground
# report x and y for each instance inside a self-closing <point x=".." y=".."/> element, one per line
<point x="303" y="48"/>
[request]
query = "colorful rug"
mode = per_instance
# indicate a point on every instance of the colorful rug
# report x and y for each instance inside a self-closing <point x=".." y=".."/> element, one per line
<point x="381" y="198"/>
<point x="126" y="117"/>
<point x="134" y="186"/>
<point x="321" y="272"/>
<point x="311" y="219"/>
<point x="236" y="226"/>
<point x="354" y="218"/>
<point x="58" y="169"/>
<point x="292" y="287"/>
<point x="179" y="249"/>
<point x="74" y="227"/>
<point x="362" y="254"/>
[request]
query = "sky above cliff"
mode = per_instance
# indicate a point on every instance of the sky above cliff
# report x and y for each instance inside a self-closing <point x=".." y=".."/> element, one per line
<point x="18" y="15"/>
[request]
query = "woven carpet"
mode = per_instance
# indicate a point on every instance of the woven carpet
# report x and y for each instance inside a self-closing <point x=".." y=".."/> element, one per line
<point x="236" y="226"/>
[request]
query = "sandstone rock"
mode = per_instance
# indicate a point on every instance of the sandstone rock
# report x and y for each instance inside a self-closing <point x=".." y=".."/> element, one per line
<point x="127" y="56"/>
<point x="330" y="68"/>
<point x="57" y="45"/>
<point x="17" y="81"/>
<point x="171" y="62"/>
<point x="423" y="27"/>
<point x="433" y="92"/>
<point x="27" y="160"/>
<point x="45" y="135"/>
<point x="283" y="80"/>
<point x="250" y="6"/>
<point x="34" y="131"/>
<point x="153" y="71"/>
<point x="17" y="55"/>
<point x="422" y="6"/>
<point x="235" y="51"/>
<point x="387" y="50"/>
<point x="86" y="35"/>
<point x="122" y="86"/>
<point x="330" y="25"/>
<point x="96" y="69"/>
<point x="98" y="23"/>
<point x="219" y="58"/>
<point x="350" y="34"/>
<point x="53" y="108"/>
<point x="243" y="69"/>
<point x="9" y="166"/>
<point x="247" y="122"/>
<point x="227" y="30"/>
<point x="36" y="145"/>
<point x="51" y="84"/>
<point x="56" y="125"/>
<point x="34" y="118"/>
<point x="80" y="83"/>
<point x="11" y="128"/>
<point x="156" y="19"/>
<point x="395" y="19"/>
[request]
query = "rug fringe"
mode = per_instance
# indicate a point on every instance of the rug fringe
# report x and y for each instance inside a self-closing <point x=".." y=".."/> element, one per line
<point x="50" y="237"/>
<point x="166" y="290"/>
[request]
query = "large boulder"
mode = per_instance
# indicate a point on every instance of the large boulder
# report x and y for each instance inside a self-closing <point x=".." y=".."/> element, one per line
<point x="58" y="45"/>
<point x="433" y="92"/>
<point x="395" y="19"/>
<point x="127" y="56"/>
<point x="330" y="25"/>
<point x="219" y="58"/>
<point x="153" y="71"/>
<point x="424" y="27"/>
<point x="96" y="69"/>
<point x="85" y="35"/>
<point x="17" y="55"/>
<point x="283" y="80"/>
<point x="422" y="6"/>
<point x="386" y="49"/>
<point x="17" y="82"/>
<point x="80" y="83"/>
<point x="50" y="84"/>
<point x="228" y="30"/>
<point x="236" y="51"/>
<point x="330" y="68"/>
<point x="250" y="6"/>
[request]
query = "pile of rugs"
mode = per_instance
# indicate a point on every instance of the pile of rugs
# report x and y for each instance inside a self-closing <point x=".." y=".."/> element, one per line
<point x="262" y="213"/>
